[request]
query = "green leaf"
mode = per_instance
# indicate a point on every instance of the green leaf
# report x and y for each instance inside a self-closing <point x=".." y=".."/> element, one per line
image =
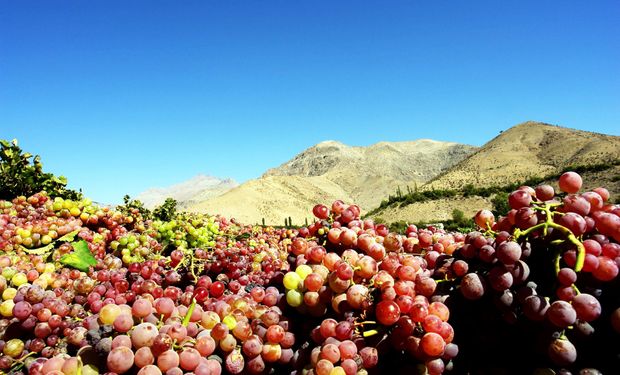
<point x="81" y="258"/>
<point x="69" y="236"/>
<point x="243" y="236"/>
<point x="40" y="251"/>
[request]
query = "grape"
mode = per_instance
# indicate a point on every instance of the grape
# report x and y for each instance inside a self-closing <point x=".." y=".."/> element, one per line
<point x="440" y="310"/>
<point x="387" y="312"/>
<point x="369" y="356"/>
<point x="167" y="360"/>
<point x="432" y="344"/>
<point x="275" y="334"/>
<point x="123" y="323"/>
<point x="321" y="211"/>
<point x="574" y="222"/>
<point x="500" y="279"/>
<point x="150" y="370"/>
<point x="120" y="359"/>
<point x="14" y="348"/>
<point x="141" y="308"/>
<point x="330" y="352"/>
<point x="328" y="327"/>
<point x="562" y="314"/>
<point x="255" y="365"/>
<point x="228" y="343"/>
<point x="356" y="295"/>
<point x="472" y="286"/>
<point x="291" y="280"/>
<point x="435" y="366"/>
<point x="205" y="345"/>
<point x="570" y="182"/>
<point x="535" y="307"/>
<point x="484" y="219"/>
<point x="519" y="198"/>
<point x="271" y="352"/>
<point x="567" y="276"/>
<point x="587" y="307"/>
<point x="189" y="359"/>
<point x="313" y="282"/>
<point x="578" y="205"/>
<point x="347" y="349"/>
<point x="144" y="357"/>
<point x="109" y="313"/>
<point x="562" y="352"/>
<point x="22" y="310"/>
<point x="615" y="319"/>
<point x="508" y="252"/>
<point x="607" y="269"/>
<point x="252" y="347"/>
<point x="234" y="362"/>
<point x="294" y="298"/>
<point x="544" y="192"/>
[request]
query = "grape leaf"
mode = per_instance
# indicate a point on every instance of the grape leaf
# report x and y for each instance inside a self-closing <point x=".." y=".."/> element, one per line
<point x="69" y="236"/>
<point x="39" y="251"/>
<point x="81" y="258"/>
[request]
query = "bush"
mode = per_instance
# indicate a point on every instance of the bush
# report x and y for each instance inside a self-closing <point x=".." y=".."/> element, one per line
<point x="500" y="204"/>
<point x="21" y="176"/>
<point x="166" y="211"/>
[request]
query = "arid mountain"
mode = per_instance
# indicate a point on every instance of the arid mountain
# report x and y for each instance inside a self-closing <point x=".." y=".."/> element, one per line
<point x="530" y="149"/>
<point x="331" y="170"/>
<point x="370" y="173"/>
<point x="187" y="193"/>
<point x="418" y="160"/>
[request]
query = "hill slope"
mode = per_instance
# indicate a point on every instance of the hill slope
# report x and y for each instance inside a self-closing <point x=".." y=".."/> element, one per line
<point x="530" y="149"/>
<point x="274" y="198"/>
<point x="527" y="150"/>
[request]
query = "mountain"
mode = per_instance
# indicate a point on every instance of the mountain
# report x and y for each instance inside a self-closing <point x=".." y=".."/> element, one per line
<point x="187" y="193"/>
<point x="530" y="149"/>
<point x="368" y="174"/>
<point x="332" y="170"/>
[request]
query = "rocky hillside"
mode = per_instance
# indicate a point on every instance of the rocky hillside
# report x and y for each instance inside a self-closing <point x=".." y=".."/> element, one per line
<point x="367" y="174"/>
<point x="187" y="193"/>
<point x="527" y="150"/>
<point x="530" y="149"/>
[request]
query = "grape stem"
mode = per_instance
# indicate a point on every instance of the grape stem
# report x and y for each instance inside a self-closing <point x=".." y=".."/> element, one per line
<point x="369" y="333"/>
<point x="549" y="223"/>
<point x="190" y="311"/>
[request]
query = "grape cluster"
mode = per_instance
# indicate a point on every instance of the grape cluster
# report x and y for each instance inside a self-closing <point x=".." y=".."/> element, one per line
<point x="205" y="295"/>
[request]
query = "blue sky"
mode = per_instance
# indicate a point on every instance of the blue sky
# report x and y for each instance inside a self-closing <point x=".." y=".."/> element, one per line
<point x="120" y="96"/>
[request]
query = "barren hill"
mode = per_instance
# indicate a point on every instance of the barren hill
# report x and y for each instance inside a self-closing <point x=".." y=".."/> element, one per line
<point x="274" y="198"/>
<point x="530" y="149"/>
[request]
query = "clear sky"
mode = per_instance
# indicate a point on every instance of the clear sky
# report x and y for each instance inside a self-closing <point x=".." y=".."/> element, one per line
<point x="120" y="96"/>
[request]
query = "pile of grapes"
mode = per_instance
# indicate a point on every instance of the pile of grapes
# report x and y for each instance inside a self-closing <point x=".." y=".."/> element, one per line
<point x="90" y="290"/>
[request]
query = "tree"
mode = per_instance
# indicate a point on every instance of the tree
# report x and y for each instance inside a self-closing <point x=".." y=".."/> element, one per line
<point x="21" y="176"/>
